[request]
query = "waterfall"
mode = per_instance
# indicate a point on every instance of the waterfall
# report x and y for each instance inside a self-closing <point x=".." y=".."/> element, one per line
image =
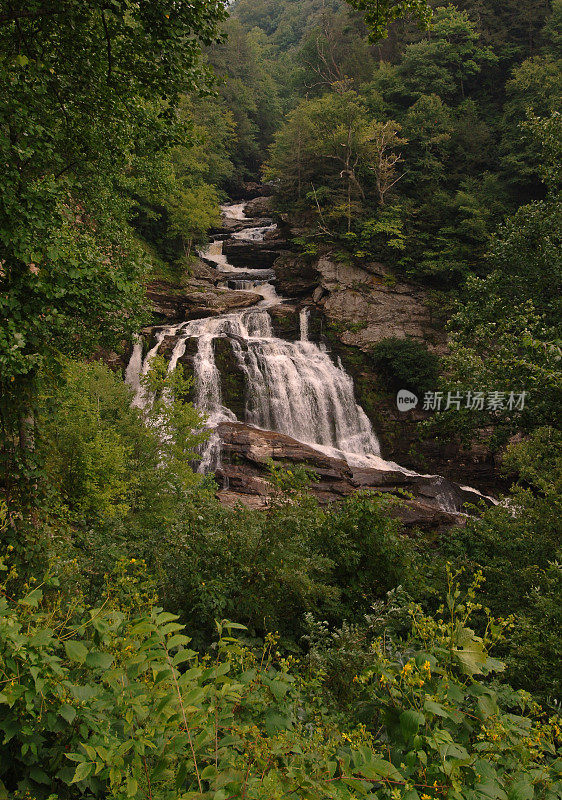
<point x="134" y="367"/>
<point x="293" y="388"/>
<point x="253" y="234"/>
<point x="135" y="372"/>
<point x="290" y="387"/>
<point x="234" y="211"/>
<point x="242" y="285"/>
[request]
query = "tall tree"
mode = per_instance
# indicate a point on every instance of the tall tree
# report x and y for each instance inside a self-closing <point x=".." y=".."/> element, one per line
<point x="87" y="87"/>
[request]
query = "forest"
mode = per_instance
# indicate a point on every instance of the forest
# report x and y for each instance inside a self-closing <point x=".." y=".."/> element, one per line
<point x="288" y="622"/>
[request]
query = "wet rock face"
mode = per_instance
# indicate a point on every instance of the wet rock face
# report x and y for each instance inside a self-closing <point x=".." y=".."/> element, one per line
<point x="201" y="299"/>
<point x="232" y="377"/>
<point x="259" y="207"/>
<point x="247" y="451"/>
<point x="367" y="302"/>
<point x="253" y="254"/>
<point x="252" y="189"/>
<point x="212" y="303"/>
<point x="295" y="277"/>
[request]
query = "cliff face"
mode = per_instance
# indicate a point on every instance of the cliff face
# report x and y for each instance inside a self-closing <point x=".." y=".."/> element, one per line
<point x="354" y="306"/>
<point x="372" y="305"/>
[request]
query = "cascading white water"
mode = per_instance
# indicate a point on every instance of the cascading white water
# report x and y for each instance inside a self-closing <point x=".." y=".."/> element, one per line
<point x="253" y="234"/>
<point x="134" y="367"/>
<point x="304" y="316"/>
<point x="234" y="211"/>
<point x="137" y="369"/>
<point x="291" y="387"/>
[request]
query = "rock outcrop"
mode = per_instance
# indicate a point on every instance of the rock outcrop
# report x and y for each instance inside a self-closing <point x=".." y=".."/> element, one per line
<point x="376" y="305"/>
<point x="252" y="189"/>
<point x="367" y="302"/>
<point x="254" y="254"/>
<point x="201" y="299"/>
<point x="247" y="452"/>
<point x="259" y="207"/>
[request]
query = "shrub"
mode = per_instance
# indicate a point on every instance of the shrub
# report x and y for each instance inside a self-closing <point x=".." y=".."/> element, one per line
<point x="111" y="702"/>
<point x="406" y="364"/>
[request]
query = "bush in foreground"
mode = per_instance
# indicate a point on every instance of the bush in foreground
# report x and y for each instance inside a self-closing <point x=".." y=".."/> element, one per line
<point x="112" y="702"/>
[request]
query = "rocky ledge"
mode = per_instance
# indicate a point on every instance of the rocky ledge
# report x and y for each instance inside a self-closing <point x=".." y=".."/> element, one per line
<point x="201" y="299"/>
<point x="255" y="254"/>
<point x="367" y="301"/>
<point x="247" y="452"/>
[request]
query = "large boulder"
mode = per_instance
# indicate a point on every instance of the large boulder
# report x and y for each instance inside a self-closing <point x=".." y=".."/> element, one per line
<point x="258" y="207"/>
<point x="252" y="189"/>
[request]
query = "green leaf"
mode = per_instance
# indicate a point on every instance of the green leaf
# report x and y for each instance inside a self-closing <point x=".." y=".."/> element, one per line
<point x="37" y="774"/>
<point x="181" y="656"/>
<point x="436" y="708"/>
<point x="102" y="660"/>
<point x="410" y="723"/>
<point x="165" y="616"/>
<point x="491" y="789"/>
<point x="42" y="637"/>
<point x="32" y="599"/>
<point x="276" y="722"/>
<point x="487" y="706"/>
<point x="132" y="786"/>
<point x="209" y="772"/>
<point x="76" y="651"/>
<point x="521" y="789"/>
<point x="172" y="627"/>
<point x="177" y="641"/>
<point x="67" y="712"/>
<point x="82" y="771"/>
<point x="471" y="658"/>
<point x="378" y="768"/>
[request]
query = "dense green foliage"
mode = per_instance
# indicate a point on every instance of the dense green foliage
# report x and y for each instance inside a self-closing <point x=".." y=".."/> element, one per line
<point x="87" y="89"/>
<point x="425" y="144"/>
<point x="406" y="364"/>
<point x="111" y="701"/>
